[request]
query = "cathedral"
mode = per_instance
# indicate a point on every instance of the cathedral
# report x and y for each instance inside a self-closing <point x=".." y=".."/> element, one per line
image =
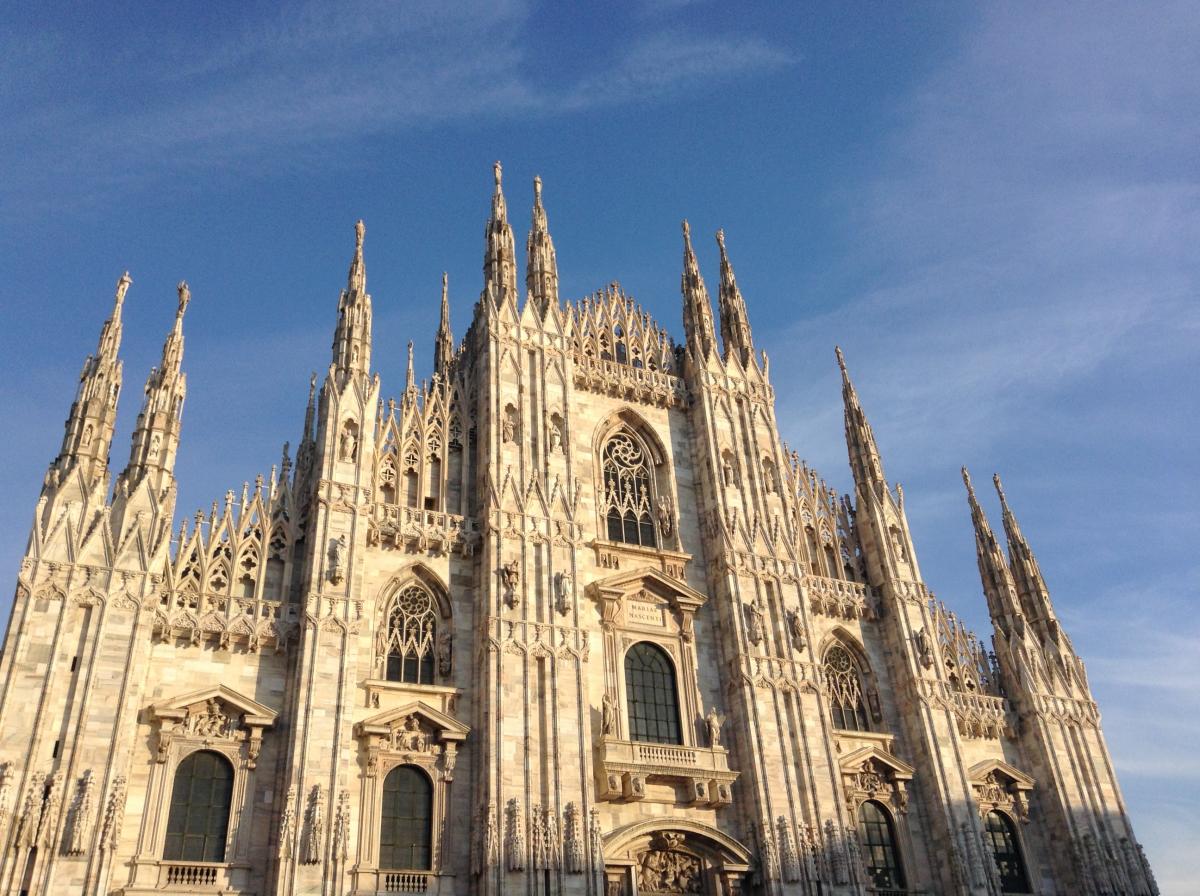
<point x="566" y="616"/>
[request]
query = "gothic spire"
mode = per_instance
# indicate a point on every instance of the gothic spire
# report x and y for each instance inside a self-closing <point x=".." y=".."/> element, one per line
<point x="352" y="337"/>
<point x="410" y="379"/>
<point x="993" y="569"/>
<point x="735" y="323"/>
<point x="1031" y="587"/>
<point x="697" y="307"/>
<point x="499" y="259"/>
<point x="443" y="345"/>
<point x="89" y="428"/>
<point x="541" y="274"/>
<point x="860" y="440"/>
<point x="156" y="434"/>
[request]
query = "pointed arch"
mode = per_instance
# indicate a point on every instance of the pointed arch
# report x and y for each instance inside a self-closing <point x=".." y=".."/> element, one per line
<point x="413" y="630"/>
<point x="634" y="483"/>
<point x="845" y="673"/>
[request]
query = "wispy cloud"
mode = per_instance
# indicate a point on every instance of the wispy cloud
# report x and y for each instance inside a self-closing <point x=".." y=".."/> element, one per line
<point x="303" y="79"/>
<point x="1034" y="220"/>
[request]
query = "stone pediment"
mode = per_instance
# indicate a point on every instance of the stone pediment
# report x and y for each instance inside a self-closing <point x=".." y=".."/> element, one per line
<point x="896" y="768"/>
<point x="382" y="723"/>
<point x="652" y="581"/>
<point x="981" y="771"/>
<point x="253" y="713"/>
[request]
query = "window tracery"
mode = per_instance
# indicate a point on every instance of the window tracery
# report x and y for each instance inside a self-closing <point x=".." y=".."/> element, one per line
<point x="843" y="685"/>
<point x="411" y="636"/>
<point x="627" y="494"/>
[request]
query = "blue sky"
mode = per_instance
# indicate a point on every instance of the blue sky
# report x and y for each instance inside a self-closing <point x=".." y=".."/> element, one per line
<point x="993" y="209"/>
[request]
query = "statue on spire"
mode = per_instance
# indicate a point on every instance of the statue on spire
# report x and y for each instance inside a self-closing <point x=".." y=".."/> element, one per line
<point x="697" y="307"/>
<point x="735" y="322"/>
<point x="541" y="273"/>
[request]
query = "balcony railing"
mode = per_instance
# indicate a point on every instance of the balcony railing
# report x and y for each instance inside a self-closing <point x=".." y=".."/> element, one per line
<point x="192" y="875"/>
<point x="406" y="881"/>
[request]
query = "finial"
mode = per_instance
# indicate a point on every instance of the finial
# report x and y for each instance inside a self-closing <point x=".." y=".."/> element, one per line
<point x="360" y="230"/>
<point x="721" y="239"/>
<point x="185" y="296"/>
<point x="842" y="363"/>
<point x="445" y="286"/>
<point x="537" y="189"/>
<point x="411" y="379"/>
<point x="496" y="172"/>
<point x="123" y="287"/>
<point x="967" y="482"/>
<point x="687" y="230"/>
<point x="999" y="490"/>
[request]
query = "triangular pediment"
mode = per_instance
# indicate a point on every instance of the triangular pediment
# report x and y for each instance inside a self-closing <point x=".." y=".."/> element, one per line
<point x="448" y="728"/>
<point x="253" y="711"/>
<point x="899" y="769"/>
<point x="981" y="770"/>
<point x="646" y="579"/>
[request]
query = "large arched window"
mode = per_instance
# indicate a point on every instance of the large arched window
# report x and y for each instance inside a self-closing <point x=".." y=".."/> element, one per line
<point x="651" y="695"/>
<point x="627" y="496"/>
<point x="844" y="687"/>
<point x="880" y="854"/>
<point x="199" y="817"/>
<point x="411" y="633"/>
<point x="1002" y="837"/>
<point x="406" y="824"/>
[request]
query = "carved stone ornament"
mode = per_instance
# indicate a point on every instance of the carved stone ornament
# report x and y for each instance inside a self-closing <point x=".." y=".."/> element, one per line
<point x="514" y="835"/>
<point x="796" y="630"/>
<point x="998" y="785"/>
<point x="564" y="592"/>
<point x="666" y="868"/>
<point x="314" y="833"/>
<point x="871" y="773"/>
<point x="213" y="715"/>
<point x="337" y="560"/>
<point x="754" y="622"/>
<point x="510" y="580"/>
<point x="414" y="734"/>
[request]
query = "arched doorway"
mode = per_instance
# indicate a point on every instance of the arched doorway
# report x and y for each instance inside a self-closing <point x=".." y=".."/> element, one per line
<point x="685" y="858"/>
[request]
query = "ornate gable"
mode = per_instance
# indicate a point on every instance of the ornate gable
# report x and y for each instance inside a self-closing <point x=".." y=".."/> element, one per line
<point x="215" y="716"/>
<point x="872" y="773"/>
<point x="415" y="734"/>
<point x="998" y="785"/>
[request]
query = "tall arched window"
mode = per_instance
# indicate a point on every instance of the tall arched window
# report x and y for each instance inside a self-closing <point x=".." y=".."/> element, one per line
<point x="844" y="687"/>
<point x="199" y="817"/>
<point x="651" y="695"/>
<point x="406" y="824"/>
<point x="411" y="631"/>
<point x="627" y="496"/>
<point x="1010" y="864"/>
<point x="880" y="854"/>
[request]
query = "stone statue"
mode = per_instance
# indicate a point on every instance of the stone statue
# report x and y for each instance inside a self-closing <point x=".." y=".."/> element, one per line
<point x="562" y="603"/>
<point x="754" y="621"/>
<point x="608" y="719"/>
<point x="349" y="444"/>
<point x="510" y="578"/>
<point x="713" y="720"/>
<point x="337" y="560"/>
<point x="796" y="629"/>
<point x="666" y="515"/>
